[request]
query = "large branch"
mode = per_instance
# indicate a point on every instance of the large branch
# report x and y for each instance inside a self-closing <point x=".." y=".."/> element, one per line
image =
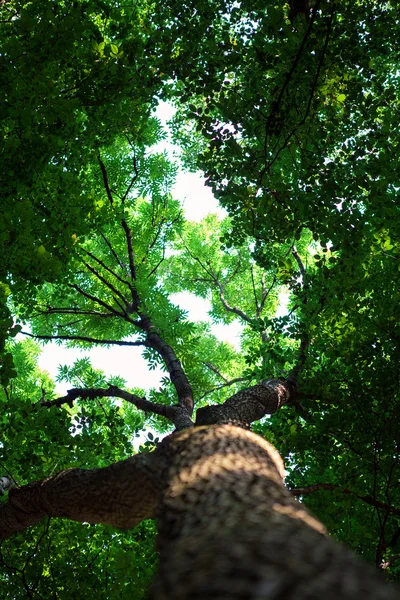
<point x="248" y="405"/>
<point x="122" y="495"/>
<point x="178" y="416"/>
<point x="173" y="364"/>
<point x="309" y="489"/>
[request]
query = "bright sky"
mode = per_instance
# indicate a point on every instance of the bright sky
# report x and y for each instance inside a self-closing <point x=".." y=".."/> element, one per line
<point x="198" y="201"/>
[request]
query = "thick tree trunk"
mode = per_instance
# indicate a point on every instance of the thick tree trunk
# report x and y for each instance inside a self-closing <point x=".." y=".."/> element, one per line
<point x="229" y="529"/>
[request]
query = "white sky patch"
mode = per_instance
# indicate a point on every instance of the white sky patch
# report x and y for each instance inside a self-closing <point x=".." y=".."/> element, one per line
<point x="196" y="198"/>
<point x="198" y="308"/>
<point x="190" y="188"/>
<point x="283" y="303"/>
<point x="126" y="362"/>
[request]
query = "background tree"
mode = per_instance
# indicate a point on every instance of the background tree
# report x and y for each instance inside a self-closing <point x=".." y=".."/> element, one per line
<point x="295" y="128"/>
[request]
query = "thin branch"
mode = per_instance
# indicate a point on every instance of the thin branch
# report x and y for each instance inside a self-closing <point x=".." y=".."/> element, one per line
<point x="154" y="269"/>
<point x="98" y="301"/>
<point x="266" y="292"/>
<point x="105" y="179"/>
<point x="110" y="287"/>
<point x="253" y="285"/>
<point x="154" y="240"/>
<point x="331" y="486"/>
<point x="314" y="85"/>
<point x="221" y="288"/>
<point x="105" y="267"/>
<point x="294" y="374"/>
<point x="302" y="269"/>
<point x="288" y="77"/>
<point x="58" y="310"/>
<point x="214" y="370"/>
<point x="81" y="338"/>
<point x="115" y="255"/>
<point x="134" y="178"/>
<point x="223" y="385"/>
<point x="128" y="235"/>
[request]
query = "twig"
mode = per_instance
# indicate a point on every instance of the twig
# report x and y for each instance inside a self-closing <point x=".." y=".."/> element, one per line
<point x="105" y="267"/>
<point x="115" y="255"/>
<point x="331" y="486"/>
<point x="110" y="286"/>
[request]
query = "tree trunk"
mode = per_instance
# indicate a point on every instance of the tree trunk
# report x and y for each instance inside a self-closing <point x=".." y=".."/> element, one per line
<point x="228" y="527"/>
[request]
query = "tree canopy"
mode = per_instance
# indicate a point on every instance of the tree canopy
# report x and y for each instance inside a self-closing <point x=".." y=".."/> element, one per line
<point x="291" y="112"/>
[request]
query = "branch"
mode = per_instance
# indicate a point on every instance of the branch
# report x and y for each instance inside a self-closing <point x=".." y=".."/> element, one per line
<point x="81" y="338"/>
<point x="222" y="385"/>
<point x="101" y="303"/>
<point x="115" y="255"/>
<point x="331" y="486"/>
<point x="110" y="286"/>
<point x="232" y="309"/>
<point x="105" y="179"/>
<point x="72" y="310"/>
<point x="214" y="370"/>
<point x="134" y="178"/>
<point x="302" y="269"/>
<point x="265" y="292"/>
<point x="122" y="495"/>
<point x="275" y="106"/>
<point x="314" y="85"/>
<point x="214" y="278"/>
<point x="173" y="364"/>
<point x="294" y="374"/>
<point x="105" y="267"/>
<point x="248" y="405"/>
<point x="172" y="413"/>
<point x="128" y="235"/>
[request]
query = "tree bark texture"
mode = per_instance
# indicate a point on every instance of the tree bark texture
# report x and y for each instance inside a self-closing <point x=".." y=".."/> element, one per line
<point x="228" y="527"/>
<point x="122" y="495"/>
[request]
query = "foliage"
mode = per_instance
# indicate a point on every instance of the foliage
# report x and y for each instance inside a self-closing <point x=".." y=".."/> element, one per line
<point x="294" y="120"/>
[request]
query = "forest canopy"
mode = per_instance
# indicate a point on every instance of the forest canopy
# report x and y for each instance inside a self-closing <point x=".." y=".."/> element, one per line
<point x="290" y="111"/>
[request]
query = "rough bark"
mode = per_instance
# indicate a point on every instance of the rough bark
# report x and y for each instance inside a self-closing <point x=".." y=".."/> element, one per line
<point x="228" y="527"/>
<point x="248" y="405"/>
<point x="122" y="495"/>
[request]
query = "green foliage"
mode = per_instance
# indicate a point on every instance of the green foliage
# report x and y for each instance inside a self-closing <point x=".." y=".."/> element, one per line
<point x="296" y="127"/>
